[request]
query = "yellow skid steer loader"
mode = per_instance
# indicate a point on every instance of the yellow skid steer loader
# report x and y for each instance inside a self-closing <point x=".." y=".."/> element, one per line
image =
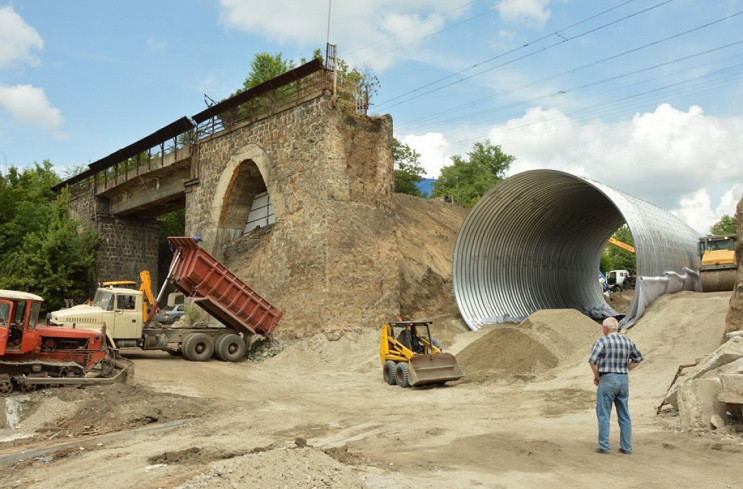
<point x="410" y="356"/>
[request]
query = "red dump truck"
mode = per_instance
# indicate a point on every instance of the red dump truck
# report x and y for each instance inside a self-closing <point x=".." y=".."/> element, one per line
<point x="209" y="284"/>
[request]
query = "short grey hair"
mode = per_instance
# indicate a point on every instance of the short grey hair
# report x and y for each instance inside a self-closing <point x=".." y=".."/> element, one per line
<point x="611" y="323"/>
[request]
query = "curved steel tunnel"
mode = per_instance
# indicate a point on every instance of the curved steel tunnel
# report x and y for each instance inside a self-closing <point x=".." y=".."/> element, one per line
<point x="535" y="241"/>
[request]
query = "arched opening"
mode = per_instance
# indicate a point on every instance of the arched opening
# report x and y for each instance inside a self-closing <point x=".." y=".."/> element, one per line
<point x="242" y="203"/>
<point x="246" y="205"/>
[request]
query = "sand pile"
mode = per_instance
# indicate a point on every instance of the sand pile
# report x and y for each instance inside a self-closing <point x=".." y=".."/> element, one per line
<point x="546" y="340"/>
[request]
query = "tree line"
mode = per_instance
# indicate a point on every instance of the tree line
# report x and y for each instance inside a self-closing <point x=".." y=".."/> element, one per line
<point x="42" y="249"/>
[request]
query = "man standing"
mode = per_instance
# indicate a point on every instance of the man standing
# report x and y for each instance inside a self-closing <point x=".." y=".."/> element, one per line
<point x="612" y="357"/>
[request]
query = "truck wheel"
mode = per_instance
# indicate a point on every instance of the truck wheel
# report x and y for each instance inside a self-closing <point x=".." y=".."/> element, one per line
<point x="198" y="347"/>
<point x="230" y="347"/>
<point x="388" y="372"/>
<point x="401" y="375"/>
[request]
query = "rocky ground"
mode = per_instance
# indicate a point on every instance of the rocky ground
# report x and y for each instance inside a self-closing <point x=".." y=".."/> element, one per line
<point x="314" y="412"/>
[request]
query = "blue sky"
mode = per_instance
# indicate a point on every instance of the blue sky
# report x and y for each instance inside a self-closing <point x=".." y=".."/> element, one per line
<point x="642" y="95"/>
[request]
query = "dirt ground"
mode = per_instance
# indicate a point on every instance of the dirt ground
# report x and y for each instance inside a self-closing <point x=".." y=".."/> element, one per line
<point x="314" y="412"/>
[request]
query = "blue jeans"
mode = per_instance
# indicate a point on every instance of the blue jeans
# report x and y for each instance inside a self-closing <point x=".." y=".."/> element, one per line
<point x="614" y="389"/>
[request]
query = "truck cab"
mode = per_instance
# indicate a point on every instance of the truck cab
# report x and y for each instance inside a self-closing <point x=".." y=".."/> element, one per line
<point x="120" y="309"/>
<point x="618" y="280"/>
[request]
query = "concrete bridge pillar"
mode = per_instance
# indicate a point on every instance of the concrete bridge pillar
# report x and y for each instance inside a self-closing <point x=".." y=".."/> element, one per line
<point x="128" y="245"/>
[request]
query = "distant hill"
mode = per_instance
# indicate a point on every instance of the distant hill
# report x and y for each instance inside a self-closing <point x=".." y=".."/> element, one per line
<point x="426" y="186"/>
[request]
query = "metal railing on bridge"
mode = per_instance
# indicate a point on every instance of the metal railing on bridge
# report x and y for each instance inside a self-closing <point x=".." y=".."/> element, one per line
<point x="173" y="142"/>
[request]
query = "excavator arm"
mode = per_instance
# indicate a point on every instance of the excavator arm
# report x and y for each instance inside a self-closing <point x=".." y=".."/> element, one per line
<point x="145" y="286"/>
<point x="619" y="244"/>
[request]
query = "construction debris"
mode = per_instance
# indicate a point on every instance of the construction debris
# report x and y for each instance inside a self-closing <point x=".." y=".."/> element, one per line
<point x="710" y="395"/>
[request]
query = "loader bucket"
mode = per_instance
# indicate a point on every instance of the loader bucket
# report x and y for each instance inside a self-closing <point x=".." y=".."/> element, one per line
<point x="433" y="369"/>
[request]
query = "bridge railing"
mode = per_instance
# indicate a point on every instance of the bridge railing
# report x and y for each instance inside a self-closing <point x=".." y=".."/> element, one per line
<point x="280" y="93"/>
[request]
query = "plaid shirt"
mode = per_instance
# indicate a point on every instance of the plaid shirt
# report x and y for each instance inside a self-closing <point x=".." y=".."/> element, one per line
<point x="612" y="354"/>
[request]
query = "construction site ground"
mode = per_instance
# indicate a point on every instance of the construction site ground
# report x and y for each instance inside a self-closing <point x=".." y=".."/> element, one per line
<point x="314" y="412"/>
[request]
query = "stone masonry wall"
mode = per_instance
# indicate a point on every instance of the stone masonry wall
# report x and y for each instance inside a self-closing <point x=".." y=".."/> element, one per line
<point x="330" y="177"/>
<point x="127" y="247"/>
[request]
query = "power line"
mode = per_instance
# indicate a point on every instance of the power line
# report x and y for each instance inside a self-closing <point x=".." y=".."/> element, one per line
<point x="603" y="60"/>
<point x="524" y="46"/>
<point x="437" y="120"/>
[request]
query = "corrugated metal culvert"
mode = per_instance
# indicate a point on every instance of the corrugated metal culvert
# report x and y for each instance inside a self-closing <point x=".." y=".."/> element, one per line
<point x="535" y="241"/>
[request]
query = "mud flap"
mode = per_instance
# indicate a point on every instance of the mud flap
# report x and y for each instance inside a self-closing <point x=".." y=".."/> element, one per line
<point x="433" y="369"/>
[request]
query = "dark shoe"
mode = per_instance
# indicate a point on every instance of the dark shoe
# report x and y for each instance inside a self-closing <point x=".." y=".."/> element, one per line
<point x="598" y="450"/>
<point x="622" y="450"/>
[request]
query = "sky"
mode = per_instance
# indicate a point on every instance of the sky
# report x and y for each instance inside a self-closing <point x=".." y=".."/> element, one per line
<point x="645" y="96"/>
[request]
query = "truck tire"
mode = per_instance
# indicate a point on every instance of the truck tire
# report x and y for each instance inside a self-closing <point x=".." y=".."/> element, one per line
<point x="230" y="347"/>
<point x="388" y="372"/>
<point x="198" y="347"/>
<point x="401" y="375"/>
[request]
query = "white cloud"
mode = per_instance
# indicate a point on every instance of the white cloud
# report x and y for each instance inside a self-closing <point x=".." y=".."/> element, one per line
<point x="434" y="151"/>
<point x="696" y="211"/>
<point x="369" y="32"/>
<point x="682" y="161"/>
<point x="29" y="105"/>
<point x="533" y="13"/>
<point x="17" y="39"/>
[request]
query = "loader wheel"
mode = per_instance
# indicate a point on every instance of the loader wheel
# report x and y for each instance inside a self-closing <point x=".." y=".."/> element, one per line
<point x="198" y="347"/>
<point x="401" y="375"/>
<point x="230" y="348"/>
<point x="388" y="372"/>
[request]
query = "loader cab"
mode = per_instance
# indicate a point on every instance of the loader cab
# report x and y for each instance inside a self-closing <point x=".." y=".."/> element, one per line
<point x="414" y="335"/>
<point x="19" y="313"/>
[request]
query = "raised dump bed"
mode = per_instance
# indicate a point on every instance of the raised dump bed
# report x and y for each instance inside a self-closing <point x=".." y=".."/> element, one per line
<point x="218" y="291"/>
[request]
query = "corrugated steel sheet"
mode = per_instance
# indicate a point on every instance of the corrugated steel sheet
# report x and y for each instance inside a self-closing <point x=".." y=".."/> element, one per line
<point x="535" y="241"/>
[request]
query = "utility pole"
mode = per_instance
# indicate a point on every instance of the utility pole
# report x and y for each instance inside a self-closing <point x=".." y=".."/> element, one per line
<point x="328" y="37"/>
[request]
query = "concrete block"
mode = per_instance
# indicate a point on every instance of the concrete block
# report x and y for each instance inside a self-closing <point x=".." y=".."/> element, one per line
<point x="698" y="402"/>
<point x="728" y="352"/>
<point x="732" y="388"/>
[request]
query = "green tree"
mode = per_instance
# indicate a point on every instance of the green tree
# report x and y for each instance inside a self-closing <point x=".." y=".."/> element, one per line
<point x="726" y="225"/>
<point x="619" y="258"/>
<point x="408" y="170"/>
<point x="41" y="249"/>
<point x="171" y="224"/>
<point x="466" y="180"/>
<point x="264" y="67"/>
<point x="356" y="87"/>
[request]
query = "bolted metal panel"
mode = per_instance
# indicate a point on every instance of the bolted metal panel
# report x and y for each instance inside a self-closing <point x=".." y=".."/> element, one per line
<point x="535" y="241"/>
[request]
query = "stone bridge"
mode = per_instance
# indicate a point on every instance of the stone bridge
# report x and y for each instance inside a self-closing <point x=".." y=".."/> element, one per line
<point x="268" y="179"/>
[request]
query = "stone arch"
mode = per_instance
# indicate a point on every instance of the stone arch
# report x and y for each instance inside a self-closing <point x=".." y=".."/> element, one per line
<point x="246" y="175"/>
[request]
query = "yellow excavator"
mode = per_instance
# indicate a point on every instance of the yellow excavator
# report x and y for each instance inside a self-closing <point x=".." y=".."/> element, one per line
<point x="410" y="356"/>
<point x="718" y="266"/>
